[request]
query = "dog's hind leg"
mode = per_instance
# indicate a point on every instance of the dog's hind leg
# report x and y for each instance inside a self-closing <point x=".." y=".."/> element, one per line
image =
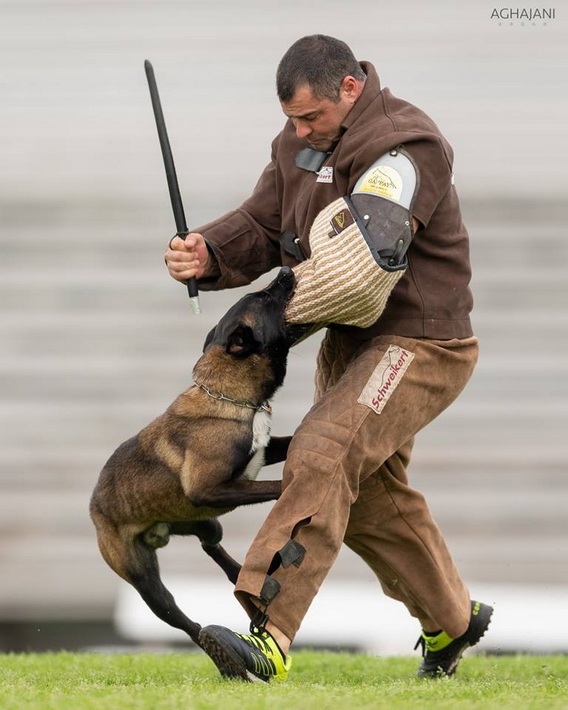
<point x="229" y="566"/>
<point x="209" y="531"/>
<point x="132" y="556"/>
<point x="144" y="575"/>
<point x="210" y="534"/>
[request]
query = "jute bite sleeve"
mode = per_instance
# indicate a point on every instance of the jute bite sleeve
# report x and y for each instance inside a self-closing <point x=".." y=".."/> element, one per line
<point x="341" y="282"/>
<point x="358" y="248"/>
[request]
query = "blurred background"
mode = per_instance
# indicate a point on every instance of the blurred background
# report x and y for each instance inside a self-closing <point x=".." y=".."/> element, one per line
<point x="96" y="339"/>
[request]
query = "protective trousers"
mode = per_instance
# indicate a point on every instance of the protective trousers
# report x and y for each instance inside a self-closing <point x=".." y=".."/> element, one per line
<point x="345" y="480"/>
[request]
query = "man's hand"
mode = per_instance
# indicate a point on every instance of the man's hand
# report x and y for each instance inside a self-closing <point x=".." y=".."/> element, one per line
<point x="188" y="257"/>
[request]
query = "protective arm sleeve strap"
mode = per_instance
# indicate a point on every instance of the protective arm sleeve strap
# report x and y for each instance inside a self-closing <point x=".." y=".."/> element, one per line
<point x="341" y="282"/>
<point x="358" y="248"/>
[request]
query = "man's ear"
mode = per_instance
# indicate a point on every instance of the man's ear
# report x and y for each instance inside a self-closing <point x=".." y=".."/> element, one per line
<point x="351" y="88"/>
<point x="241" y="342"/>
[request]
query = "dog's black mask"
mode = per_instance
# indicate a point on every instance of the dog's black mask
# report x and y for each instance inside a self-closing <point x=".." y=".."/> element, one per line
<point x="255" y="324"/>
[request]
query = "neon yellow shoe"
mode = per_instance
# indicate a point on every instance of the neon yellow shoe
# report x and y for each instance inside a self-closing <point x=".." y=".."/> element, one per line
<point x="442" y="654"/>
<point x="252" y="657"/>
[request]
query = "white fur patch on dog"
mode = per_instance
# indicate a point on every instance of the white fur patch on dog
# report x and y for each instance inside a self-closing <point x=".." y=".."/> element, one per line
<point x="260" y="439"/>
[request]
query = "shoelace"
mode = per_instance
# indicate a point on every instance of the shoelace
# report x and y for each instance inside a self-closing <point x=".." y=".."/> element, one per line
<point x="421" y="642"/>
<point x="256" y="640"/>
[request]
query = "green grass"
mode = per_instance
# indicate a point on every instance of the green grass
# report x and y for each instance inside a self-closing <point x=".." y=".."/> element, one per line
<point x="319" y="681"/>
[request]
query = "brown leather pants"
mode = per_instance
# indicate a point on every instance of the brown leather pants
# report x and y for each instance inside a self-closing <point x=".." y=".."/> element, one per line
<point x="345" y="480"/>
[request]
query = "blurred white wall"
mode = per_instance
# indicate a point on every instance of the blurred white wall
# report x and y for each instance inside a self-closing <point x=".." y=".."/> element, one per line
<point x="75" y="112"/>
<point x="95" y="339"/>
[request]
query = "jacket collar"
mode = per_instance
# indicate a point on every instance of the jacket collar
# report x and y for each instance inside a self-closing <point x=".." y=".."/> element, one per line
<point x="371" y="91"/>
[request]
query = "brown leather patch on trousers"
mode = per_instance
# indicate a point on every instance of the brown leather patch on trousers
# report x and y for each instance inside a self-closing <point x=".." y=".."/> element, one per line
<point x="385" y="378"/>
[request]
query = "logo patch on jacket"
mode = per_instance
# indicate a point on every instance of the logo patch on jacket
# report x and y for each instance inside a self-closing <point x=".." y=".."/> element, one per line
<point x="340" y="221"/>
<point x="383" y="180"/>
<point x="385" y="378"/>
<point x="325" y="175"/>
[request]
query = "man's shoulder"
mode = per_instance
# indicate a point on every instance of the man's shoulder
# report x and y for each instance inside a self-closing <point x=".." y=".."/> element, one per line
<point x="389" y="114"/>
<point x="390" y="121"/>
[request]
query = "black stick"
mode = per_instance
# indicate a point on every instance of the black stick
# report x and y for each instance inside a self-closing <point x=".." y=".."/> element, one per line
<point x="173" y="186"/>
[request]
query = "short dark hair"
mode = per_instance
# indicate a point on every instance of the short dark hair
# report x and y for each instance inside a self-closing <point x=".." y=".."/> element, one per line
<point x="319" y="61"/>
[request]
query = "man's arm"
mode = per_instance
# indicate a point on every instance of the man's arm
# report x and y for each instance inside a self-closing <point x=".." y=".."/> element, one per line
<point x="236" y="248"/>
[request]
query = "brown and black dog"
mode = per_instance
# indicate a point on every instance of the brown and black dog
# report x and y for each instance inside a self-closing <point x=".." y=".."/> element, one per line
<point x="200" y="458"/>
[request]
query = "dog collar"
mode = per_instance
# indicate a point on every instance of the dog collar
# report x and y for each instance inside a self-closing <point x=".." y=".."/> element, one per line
<point x="264" y="407"/>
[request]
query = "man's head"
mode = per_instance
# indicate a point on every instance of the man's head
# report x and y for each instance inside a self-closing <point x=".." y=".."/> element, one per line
<point x="318" y="80"/>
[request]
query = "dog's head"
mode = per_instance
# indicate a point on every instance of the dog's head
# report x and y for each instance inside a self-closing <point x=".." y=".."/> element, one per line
<point x="251" y="341"/>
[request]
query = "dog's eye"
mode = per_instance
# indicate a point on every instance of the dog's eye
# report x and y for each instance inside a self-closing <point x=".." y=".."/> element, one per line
<point x="236" y="345"/>
<point x="242" y="342"/>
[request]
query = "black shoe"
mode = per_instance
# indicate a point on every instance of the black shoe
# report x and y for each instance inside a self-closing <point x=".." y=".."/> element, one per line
<point x="441" y="654"/>
<point x="252" y="657"/>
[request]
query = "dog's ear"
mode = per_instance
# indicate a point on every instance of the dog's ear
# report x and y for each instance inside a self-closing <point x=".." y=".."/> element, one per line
<point x="208" y="339"/>
<point x="241" y="342"/>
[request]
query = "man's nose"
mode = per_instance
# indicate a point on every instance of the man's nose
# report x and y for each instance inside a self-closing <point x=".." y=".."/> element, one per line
<point x="303" y="130"/>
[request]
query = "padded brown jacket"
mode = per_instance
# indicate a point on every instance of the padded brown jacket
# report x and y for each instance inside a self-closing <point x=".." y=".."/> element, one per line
<point x="433" y="299"/>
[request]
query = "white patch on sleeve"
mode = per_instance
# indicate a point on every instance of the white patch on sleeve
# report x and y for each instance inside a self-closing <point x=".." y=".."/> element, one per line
<point x="325" y="175"/>
<point x="385" y="378"/>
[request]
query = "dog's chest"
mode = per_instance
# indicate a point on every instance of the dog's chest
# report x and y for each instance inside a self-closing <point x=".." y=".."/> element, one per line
<point x="260" y="439"/>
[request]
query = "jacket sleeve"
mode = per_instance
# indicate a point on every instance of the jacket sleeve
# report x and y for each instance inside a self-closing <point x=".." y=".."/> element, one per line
<point x="434" y="161"/>
<point x="245" y="241"/>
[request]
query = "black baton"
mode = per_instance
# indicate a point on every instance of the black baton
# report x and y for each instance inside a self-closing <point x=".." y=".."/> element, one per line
<point x="175" y="197"/>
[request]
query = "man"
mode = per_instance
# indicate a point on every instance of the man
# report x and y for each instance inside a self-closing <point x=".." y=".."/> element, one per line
<point x="345" y="478"/>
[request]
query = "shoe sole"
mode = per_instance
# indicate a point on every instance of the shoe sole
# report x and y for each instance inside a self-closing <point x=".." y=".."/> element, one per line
<point x="229" y="663"/>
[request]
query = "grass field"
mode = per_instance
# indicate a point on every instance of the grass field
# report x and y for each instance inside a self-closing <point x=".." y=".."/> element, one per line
<point x="319" y="681"/>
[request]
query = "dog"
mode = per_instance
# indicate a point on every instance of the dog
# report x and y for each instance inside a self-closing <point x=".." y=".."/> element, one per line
<point x="201" y="457"/>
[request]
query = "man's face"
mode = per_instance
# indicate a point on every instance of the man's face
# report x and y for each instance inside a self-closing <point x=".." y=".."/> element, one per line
<point x="319" y="120"/>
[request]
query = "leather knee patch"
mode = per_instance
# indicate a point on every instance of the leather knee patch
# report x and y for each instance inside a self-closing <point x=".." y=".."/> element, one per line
<point x="292" y="553"/>
<point x="269" y="590"/>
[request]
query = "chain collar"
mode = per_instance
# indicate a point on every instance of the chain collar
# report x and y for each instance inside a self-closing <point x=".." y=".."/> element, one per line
<point x="264" y="407"/>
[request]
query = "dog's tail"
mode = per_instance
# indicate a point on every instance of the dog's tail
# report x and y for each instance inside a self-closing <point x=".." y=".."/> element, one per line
<point x="132" y="555"/>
